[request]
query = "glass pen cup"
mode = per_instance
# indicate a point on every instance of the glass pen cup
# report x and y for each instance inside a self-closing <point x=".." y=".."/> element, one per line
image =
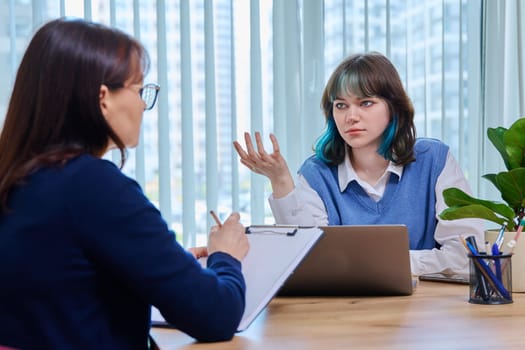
<point x="490" y="279"/>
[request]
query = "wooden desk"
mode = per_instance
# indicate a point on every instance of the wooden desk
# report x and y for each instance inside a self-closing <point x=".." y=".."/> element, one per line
<point x="436" y="316"/>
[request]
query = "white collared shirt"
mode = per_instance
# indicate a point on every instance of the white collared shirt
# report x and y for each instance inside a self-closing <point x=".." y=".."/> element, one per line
<point x="304" y="206"/>
<point x="347" y="174"/>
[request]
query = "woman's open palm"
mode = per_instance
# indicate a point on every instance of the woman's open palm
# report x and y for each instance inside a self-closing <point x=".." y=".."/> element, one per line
<point x="272" y="165"/>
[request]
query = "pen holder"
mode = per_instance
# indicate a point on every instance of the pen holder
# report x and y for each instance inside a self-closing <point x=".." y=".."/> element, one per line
<point x="490" y="279"/>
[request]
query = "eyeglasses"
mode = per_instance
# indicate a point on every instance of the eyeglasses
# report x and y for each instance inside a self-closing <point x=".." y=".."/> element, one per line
<point x="149" y="93"/>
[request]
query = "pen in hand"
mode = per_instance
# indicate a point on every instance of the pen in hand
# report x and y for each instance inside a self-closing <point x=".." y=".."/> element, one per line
<point x="216" y="218"/>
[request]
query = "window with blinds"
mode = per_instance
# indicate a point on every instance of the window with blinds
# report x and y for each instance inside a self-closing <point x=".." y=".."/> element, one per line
<point x="229" y="66"/>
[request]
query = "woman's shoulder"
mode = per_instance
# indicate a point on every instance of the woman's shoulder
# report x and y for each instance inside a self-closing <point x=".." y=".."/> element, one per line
<point x="431" y="151"/>
<point x="424" y="144"/>
<point x="86" y="164"/>
<point x="89" y="171"/>
<point x="91" y="181"/>
<point x="313" y="162"/>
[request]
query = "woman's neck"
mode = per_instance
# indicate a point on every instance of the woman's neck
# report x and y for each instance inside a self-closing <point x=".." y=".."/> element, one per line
<point x="368" y="165"/>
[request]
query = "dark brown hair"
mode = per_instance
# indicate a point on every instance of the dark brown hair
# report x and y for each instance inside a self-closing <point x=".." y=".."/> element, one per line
<point x="54" y="112"/>
<point x="369" y="75"/>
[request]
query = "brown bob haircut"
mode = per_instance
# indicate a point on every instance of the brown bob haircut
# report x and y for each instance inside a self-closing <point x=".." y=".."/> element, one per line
<point x="369" y="75"/>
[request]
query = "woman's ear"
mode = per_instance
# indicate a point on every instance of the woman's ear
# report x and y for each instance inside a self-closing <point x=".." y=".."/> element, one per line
<point x="104" y="100"/>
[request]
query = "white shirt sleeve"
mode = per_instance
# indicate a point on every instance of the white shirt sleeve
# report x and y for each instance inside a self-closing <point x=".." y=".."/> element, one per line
<point x="302" y="206"/>
<point x="452" y="256"/>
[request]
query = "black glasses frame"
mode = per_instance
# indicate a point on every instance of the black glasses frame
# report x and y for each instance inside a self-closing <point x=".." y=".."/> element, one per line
<point x="148" y="94"/>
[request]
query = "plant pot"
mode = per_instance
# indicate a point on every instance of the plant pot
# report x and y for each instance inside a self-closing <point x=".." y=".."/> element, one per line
<point x="518" y="259"/>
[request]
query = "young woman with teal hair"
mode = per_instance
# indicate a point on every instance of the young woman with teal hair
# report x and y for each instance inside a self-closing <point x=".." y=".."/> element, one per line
<point x="368" y="167"/>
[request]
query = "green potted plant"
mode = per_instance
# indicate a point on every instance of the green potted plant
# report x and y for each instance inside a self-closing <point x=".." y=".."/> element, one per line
<point x="510" y="144"/>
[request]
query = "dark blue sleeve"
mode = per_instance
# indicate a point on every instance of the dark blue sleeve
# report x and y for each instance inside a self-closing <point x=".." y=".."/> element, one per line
<point x="124" y="233"/>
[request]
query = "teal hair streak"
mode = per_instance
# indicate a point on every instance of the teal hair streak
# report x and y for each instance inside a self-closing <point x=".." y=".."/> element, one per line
<point x="388" y="136"/>
<point x="324" y="141"/>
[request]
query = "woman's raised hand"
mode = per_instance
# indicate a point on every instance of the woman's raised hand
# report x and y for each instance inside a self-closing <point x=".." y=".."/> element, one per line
<point x="272" y="165"/>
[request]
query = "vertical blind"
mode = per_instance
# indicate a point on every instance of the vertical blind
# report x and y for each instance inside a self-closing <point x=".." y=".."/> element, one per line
<point x="229" y="66"/>
<point x="502" y="78"/>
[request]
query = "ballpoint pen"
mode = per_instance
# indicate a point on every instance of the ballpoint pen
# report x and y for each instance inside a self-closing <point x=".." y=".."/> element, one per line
<point x="216" y="218"/>
<point x="512" y="243"/>
<point x="497" y="263"/>
<point x="499" y="239"/>
<point x="488" y="248"/>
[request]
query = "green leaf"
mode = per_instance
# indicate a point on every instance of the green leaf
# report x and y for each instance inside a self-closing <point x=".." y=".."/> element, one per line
<point x="512" y="187"/>
<point x="495" y="135"/>
<point x="514" y="140"/>
<point x="456" y="198"/>
<point x="471" y="211"/>
<point x="492" y="178"/>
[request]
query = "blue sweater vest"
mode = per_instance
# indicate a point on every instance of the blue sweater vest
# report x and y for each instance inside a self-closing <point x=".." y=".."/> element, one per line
<point x="410" y="200"/>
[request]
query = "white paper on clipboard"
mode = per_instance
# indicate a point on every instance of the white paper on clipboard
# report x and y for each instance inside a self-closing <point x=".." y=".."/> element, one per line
<point x="275" y="252"/>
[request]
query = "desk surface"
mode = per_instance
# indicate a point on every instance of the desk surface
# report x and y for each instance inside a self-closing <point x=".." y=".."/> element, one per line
<point x="436" y="316"/>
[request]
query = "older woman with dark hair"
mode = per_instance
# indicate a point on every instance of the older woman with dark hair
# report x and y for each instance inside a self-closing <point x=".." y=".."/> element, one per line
<point x="369" y="168"/>
<point x="83" y="253"/>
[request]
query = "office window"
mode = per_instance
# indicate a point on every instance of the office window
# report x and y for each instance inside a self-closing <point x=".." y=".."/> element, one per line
<point x="226" y="67"/>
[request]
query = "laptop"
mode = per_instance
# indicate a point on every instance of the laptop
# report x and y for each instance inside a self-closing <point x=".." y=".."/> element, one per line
<point x="355" y="260"/>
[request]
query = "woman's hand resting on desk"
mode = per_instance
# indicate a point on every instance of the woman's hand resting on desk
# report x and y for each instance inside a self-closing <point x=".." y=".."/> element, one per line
<point x="273" y="165"/>
<point x="229" y="238"/>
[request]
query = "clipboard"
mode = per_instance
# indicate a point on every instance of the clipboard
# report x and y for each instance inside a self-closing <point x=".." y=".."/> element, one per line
<point x="275" y="252"/>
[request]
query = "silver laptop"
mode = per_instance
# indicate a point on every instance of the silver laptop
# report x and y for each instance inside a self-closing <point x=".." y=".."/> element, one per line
<point x="354" y="261"/>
